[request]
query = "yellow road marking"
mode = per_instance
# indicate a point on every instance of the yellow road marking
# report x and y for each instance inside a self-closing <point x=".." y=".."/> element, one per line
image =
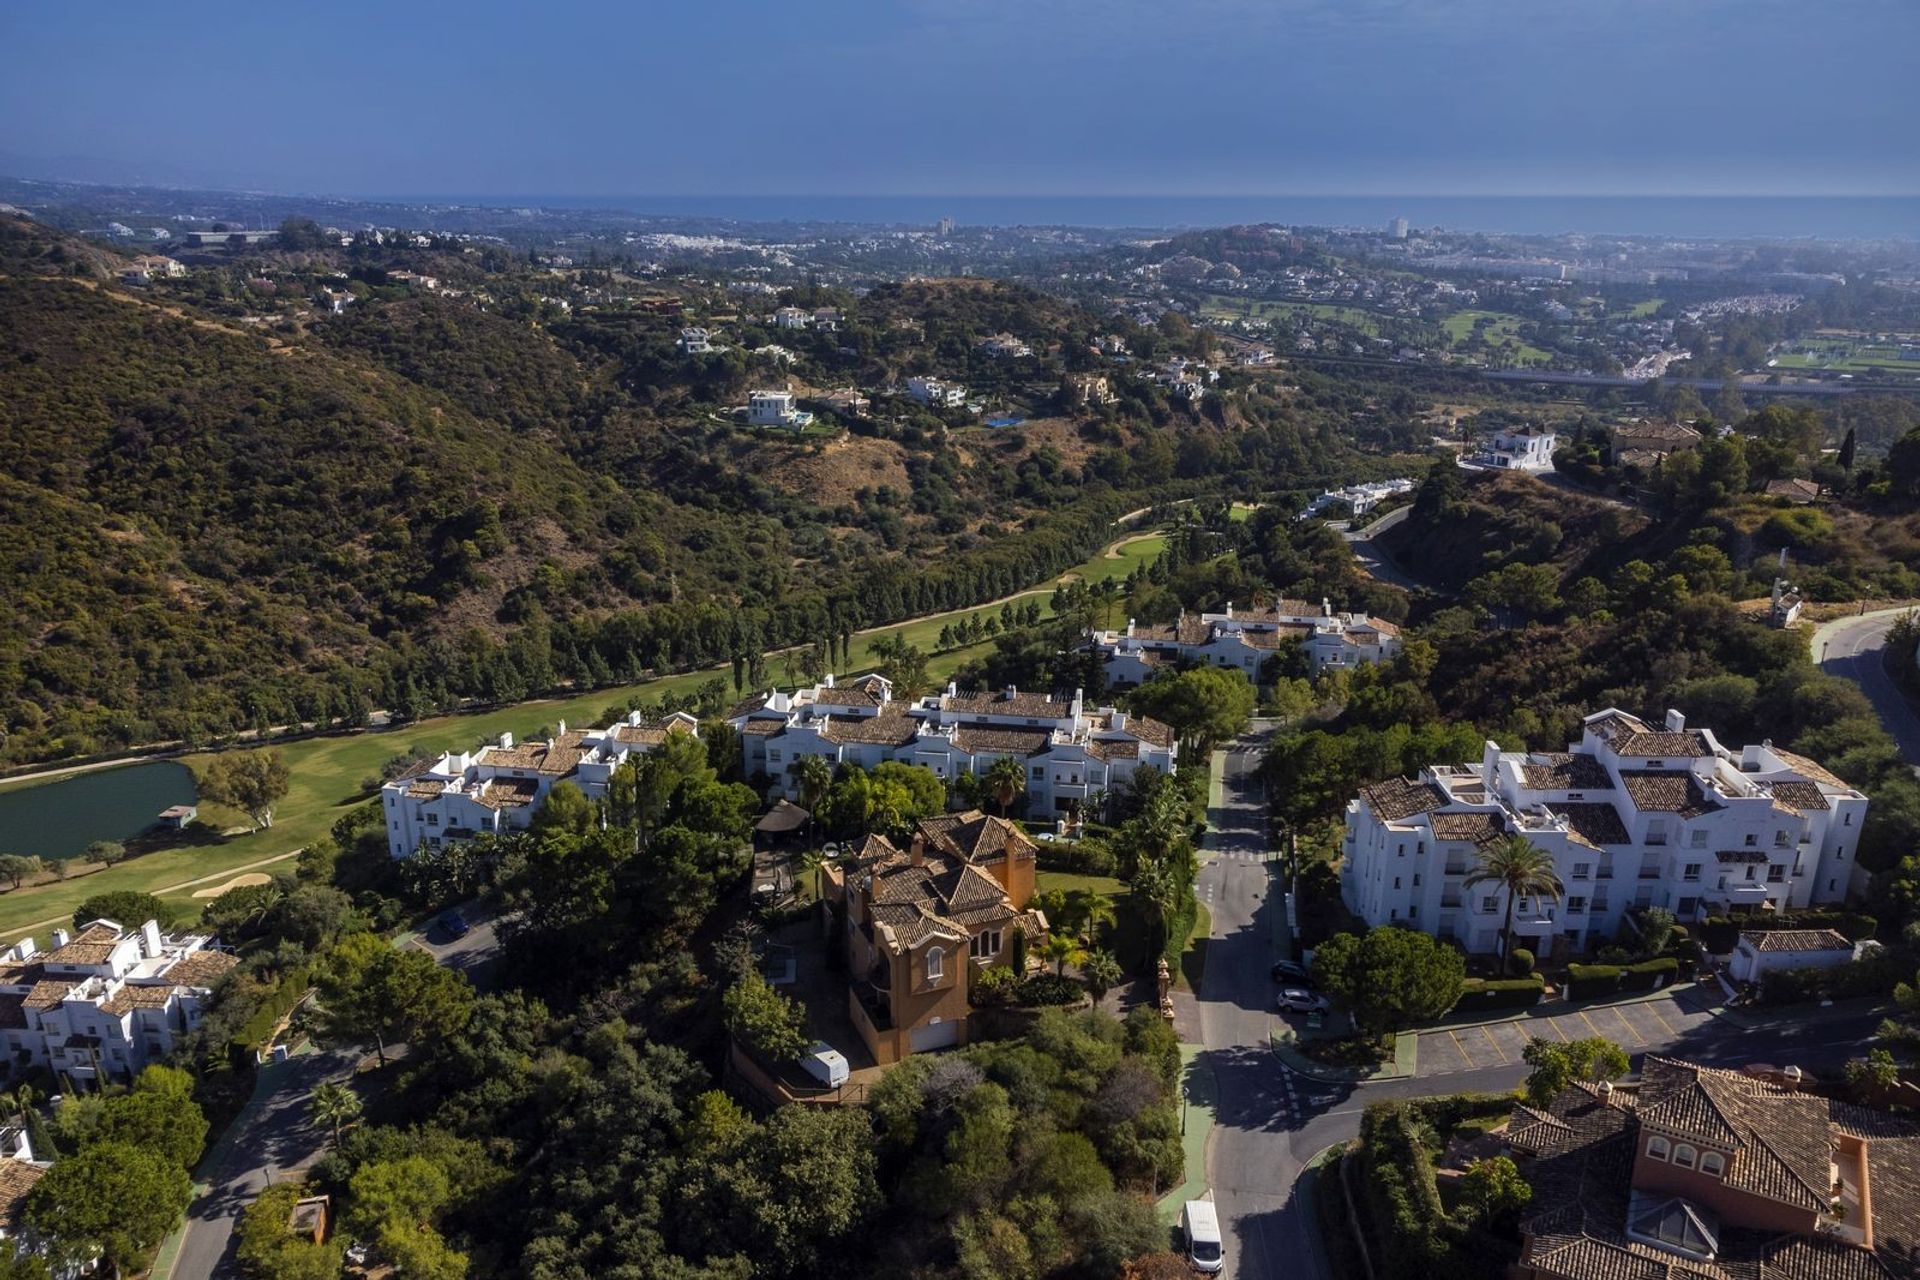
<point x="1661" y="1018"/>
<point x="1558" y="1030"/>
<point x="1495" y="1043"/>
<point x="1589" y="1021"/>
<point x="1464" y="1055"/>
<point x="1621" y="1018"/>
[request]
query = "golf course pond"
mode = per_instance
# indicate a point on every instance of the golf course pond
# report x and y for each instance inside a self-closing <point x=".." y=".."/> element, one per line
<point x="60" y="818"/>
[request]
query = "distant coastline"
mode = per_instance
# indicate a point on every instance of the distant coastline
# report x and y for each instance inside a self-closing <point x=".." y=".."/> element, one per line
<point x="1829" y="217"/>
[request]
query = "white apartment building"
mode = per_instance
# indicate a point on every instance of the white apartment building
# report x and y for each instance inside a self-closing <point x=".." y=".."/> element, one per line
<point x="1525" y="449"/>
<point x="1362" y="498"/>
<point x="499" y="787"/>
<point x="775" y="409"/>
<point x="1004" y="346"/>
<point x="1072" y="752"/>
<point x="103" y="1003"/>
<point x="1632" y="817"/>
<point x="792" y="318"/>
<point x="1244" y="641"/>
<point x="935" y="392"/>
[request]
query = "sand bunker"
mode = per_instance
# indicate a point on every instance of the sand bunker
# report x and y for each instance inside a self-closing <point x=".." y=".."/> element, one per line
<point x="238" y="882"/>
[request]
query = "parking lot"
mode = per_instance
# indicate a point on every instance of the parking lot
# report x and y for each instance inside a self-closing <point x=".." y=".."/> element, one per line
<point x="1655" y="1025"/>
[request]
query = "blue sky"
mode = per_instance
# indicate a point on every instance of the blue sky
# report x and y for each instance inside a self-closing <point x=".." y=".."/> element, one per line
<point x="989" y="97"/>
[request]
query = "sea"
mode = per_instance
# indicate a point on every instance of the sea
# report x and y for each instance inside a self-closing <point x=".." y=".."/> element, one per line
<point x="1789" y="217"/>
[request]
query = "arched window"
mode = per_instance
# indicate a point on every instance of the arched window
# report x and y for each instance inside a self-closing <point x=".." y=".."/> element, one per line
<point x="1656" y="1148"/>
<point x="936" y="964"/>
<point x="1712" y="1163"/>
<point x="1683" y="1156"/>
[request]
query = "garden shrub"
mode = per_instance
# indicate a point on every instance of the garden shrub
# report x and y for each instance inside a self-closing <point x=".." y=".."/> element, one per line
<point x="1481" y="994"/>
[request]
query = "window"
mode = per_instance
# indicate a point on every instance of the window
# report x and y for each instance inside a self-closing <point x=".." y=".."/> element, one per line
<point x="1413" y="913"/>
<point x="1396" y="882"/>
<point x="1753" y="871"/>
<point x="1657" y="831"/>
<point x="1751" y="840"/>
<point x="1688" y="908"/>
<point x="1713" y="1164"/>
<point x="1848" y="822"/>
<point x="1683" y="1156"/>
<point x="1656" y="1148"/>
<point x="1488" y="906"/>
<point x="773" y="755"/>
<point x="433" y="819"/>
<point x="1581" y="870"/>
<point x="985" y="945"/>
<point x="1781" y="839"/>
<point x="1420" y="849"/>
<point x="1576" y="905"/>
<point x="936" y="964"/>
<point x="1697" y="839"/>
<point x="1416" y="879"/>
<point x="1039" y="773"/>
<point x="1692" y="871"/>
<point x="1656" y="764"/>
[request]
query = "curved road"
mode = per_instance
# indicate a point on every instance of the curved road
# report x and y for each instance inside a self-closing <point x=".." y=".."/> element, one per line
<point x="1853" y="649"/>
<point x="1374" y="560"/>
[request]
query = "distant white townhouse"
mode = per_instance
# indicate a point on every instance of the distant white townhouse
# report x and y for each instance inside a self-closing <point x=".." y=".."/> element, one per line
<point x="1632" y="817"/>
<point x="775" y="409"/>
<point x="1090" y="389"/>
<point x="1360" y="498"/>
<point x="775" y="352"/>
<point x="1072" y="752"/>
<point x="104" y="1003"/>
<point x="1004" y="346"/>
<point x="1527" y="448"/>
<point x="935" y="392"/>
<point x="1244" y="641"/>
<point x="792" y="318"/>
<point x="499" y="787"/>
<point x="695" y="341"/>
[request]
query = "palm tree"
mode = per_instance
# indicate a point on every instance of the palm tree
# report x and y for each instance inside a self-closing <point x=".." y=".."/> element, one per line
<point x="1006" y="780"/>
<point x="1060" y="948"/>
<point x="1088" y="911"/>
<point x="1525" y="870"/>
<point x="813" y="775"/>
<point x="333" y="1106"/>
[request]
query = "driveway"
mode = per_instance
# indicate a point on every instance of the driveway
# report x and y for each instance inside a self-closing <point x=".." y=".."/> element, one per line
<point x="477" y="954"/>
<point x="1374" y="559"/>
<point x="1852" y="648"/>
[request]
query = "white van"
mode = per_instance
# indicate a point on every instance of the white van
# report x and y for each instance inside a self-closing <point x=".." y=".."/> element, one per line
<point x="1200" y="1229"/>
<point x="826" y="1064"/>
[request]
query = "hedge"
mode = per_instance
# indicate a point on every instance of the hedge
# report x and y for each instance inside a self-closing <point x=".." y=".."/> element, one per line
<point x="1588" y="981"/>
<point x="1480" y="994"/>
<point x="1873" y="975"/>
<point x="254" y="1031"/>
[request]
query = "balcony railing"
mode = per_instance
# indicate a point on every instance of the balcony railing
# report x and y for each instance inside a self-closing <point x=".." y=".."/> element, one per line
<point x="1649" y="873"/>
<point x="1450" y="900"/>
<point x="1604" y="873"/>
<point x="1456" y="868"/>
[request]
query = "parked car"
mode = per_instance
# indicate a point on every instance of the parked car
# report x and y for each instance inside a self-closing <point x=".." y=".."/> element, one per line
<point x="826" y="1064"/>
<point x="1300" y="1000"/>
<point x="1293" y="973"/>
<point x="454" y="926"/>
<point x="1200" y="1228"/>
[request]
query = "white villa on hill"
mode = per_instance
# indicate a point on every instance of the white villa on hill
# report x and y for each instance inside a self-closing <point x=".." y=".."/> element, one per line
<point x="1632" y="816"/>
<point x="775" y="409"/>
<point x="933" y="391"/>
<point x="1243" y="641"/>
<point x="1523" y="449"/>
<point x="1071" y="751"/>
<point x="104" y="1003"/>
<point x="499" y="787"/>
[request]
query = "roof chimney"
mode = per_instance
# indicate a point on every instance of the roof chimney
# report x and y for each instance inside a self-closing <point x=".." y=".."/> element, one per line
<point x="1229" y="610"/>
<point x="633" y="717"/>
<point x="917" y="851"/>
<point x="506" y="741"/>
<point x="1605" y="1090"/>
<point x="1129" y="628"/>
<point x="1676" y="723"/>
<point x="562" y="731"/>
<point x="829" y="680"/>
<point x="1009" y="692"/>
<point x="61" y="938"/>
<point x="1326" y="607"/>
<point x="1011" y="846"/>
<point x="150" y="939"/>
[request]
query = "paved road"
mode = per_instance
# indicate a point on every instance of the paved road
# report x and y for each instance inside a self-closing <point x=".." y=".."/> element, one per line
<point x="1270" y="1122"/>
<point x="1373" y="559"/>
<point x="271" y="1140"/>
<point x="1852" y="649"/>
<point x="268" y="1142"/>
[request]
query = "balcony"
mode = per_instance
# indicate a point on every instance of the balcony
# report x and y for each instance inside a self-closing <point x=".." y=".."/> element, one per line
<point x="1455" y="869"/>
<point x="1604" y="873"/>
<point x="1450" y="900"/>
<point x="1649" y="873"/>
<point x="1742" y="892"/>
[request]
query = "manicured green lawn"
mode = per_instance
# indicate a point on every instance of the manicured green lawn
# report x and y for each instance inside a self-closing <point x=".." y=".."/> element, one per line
<point x="1221" y="307"/>
<point x="1503" y="327"/>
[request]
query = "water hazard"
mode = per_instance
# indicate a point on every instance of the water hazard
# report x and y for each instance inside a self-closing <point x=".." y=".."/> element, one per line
<point x="59" y="819"/>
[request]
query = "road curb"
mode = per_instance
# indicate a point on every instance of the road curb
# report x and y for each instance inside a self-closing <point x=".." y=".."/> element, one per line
<point x="1199" y="1094"/>
<point x="1406" y="1061"/>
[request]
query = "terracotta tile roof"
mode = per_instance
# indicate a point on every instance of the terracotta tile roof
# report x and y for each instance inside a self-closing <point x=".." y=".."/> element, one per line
<point x="1481" y="829"/>
<point x="1596" y="822"/>
<point x="21" y="973"/>
<point x="1289" y="608"/>
<point x="200" y="968"/>
<point x="845" y="696"/>
<point x="763" y="727"/>
<point x="747" y="706"/>
<point x="1631" y="737"/>
<point x="1114" y="748"/>
<point x="1380" y="625"/>
<point x="975" y="836"/>
<point x="413" y="770"/>
<point x="870" y="850"/>
<point x="888" y="729"/>
<point x="1026" y="742"/>
<point x="1796" y="940"/>
<point x="1565" y="771"/>
<point x="1801" y="796"/>
<point x="1812" y="769"/>
<point x="47" y="994"/>
<point x="1793" y="489"/>
<point x="1147" y="729"/>
<point x="17" y="1179"/>
<point x="1664" y="791"/>
<point x="1780" y="1138"/>
<point x="425" y="788"/>
<point x="1038" y="706"/>
<point x="650" y="735"/>
<point x="559" y="756"/>
<point x="1399" y="798"/>
<point x="509" y="793"/>
<point x="92" y="945"/>
<point x="129" y="997"/>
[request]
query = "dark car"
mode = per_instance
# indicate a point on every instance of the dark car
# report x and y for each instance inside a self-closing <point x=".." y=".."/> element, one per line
<point x="453" y="926"/>
<point x="1292" y="972"/>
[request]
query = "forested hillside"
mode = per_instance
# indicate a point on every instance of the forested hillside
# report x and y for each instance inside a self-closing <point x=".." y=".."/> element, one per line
<point x="229" y="511"/>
